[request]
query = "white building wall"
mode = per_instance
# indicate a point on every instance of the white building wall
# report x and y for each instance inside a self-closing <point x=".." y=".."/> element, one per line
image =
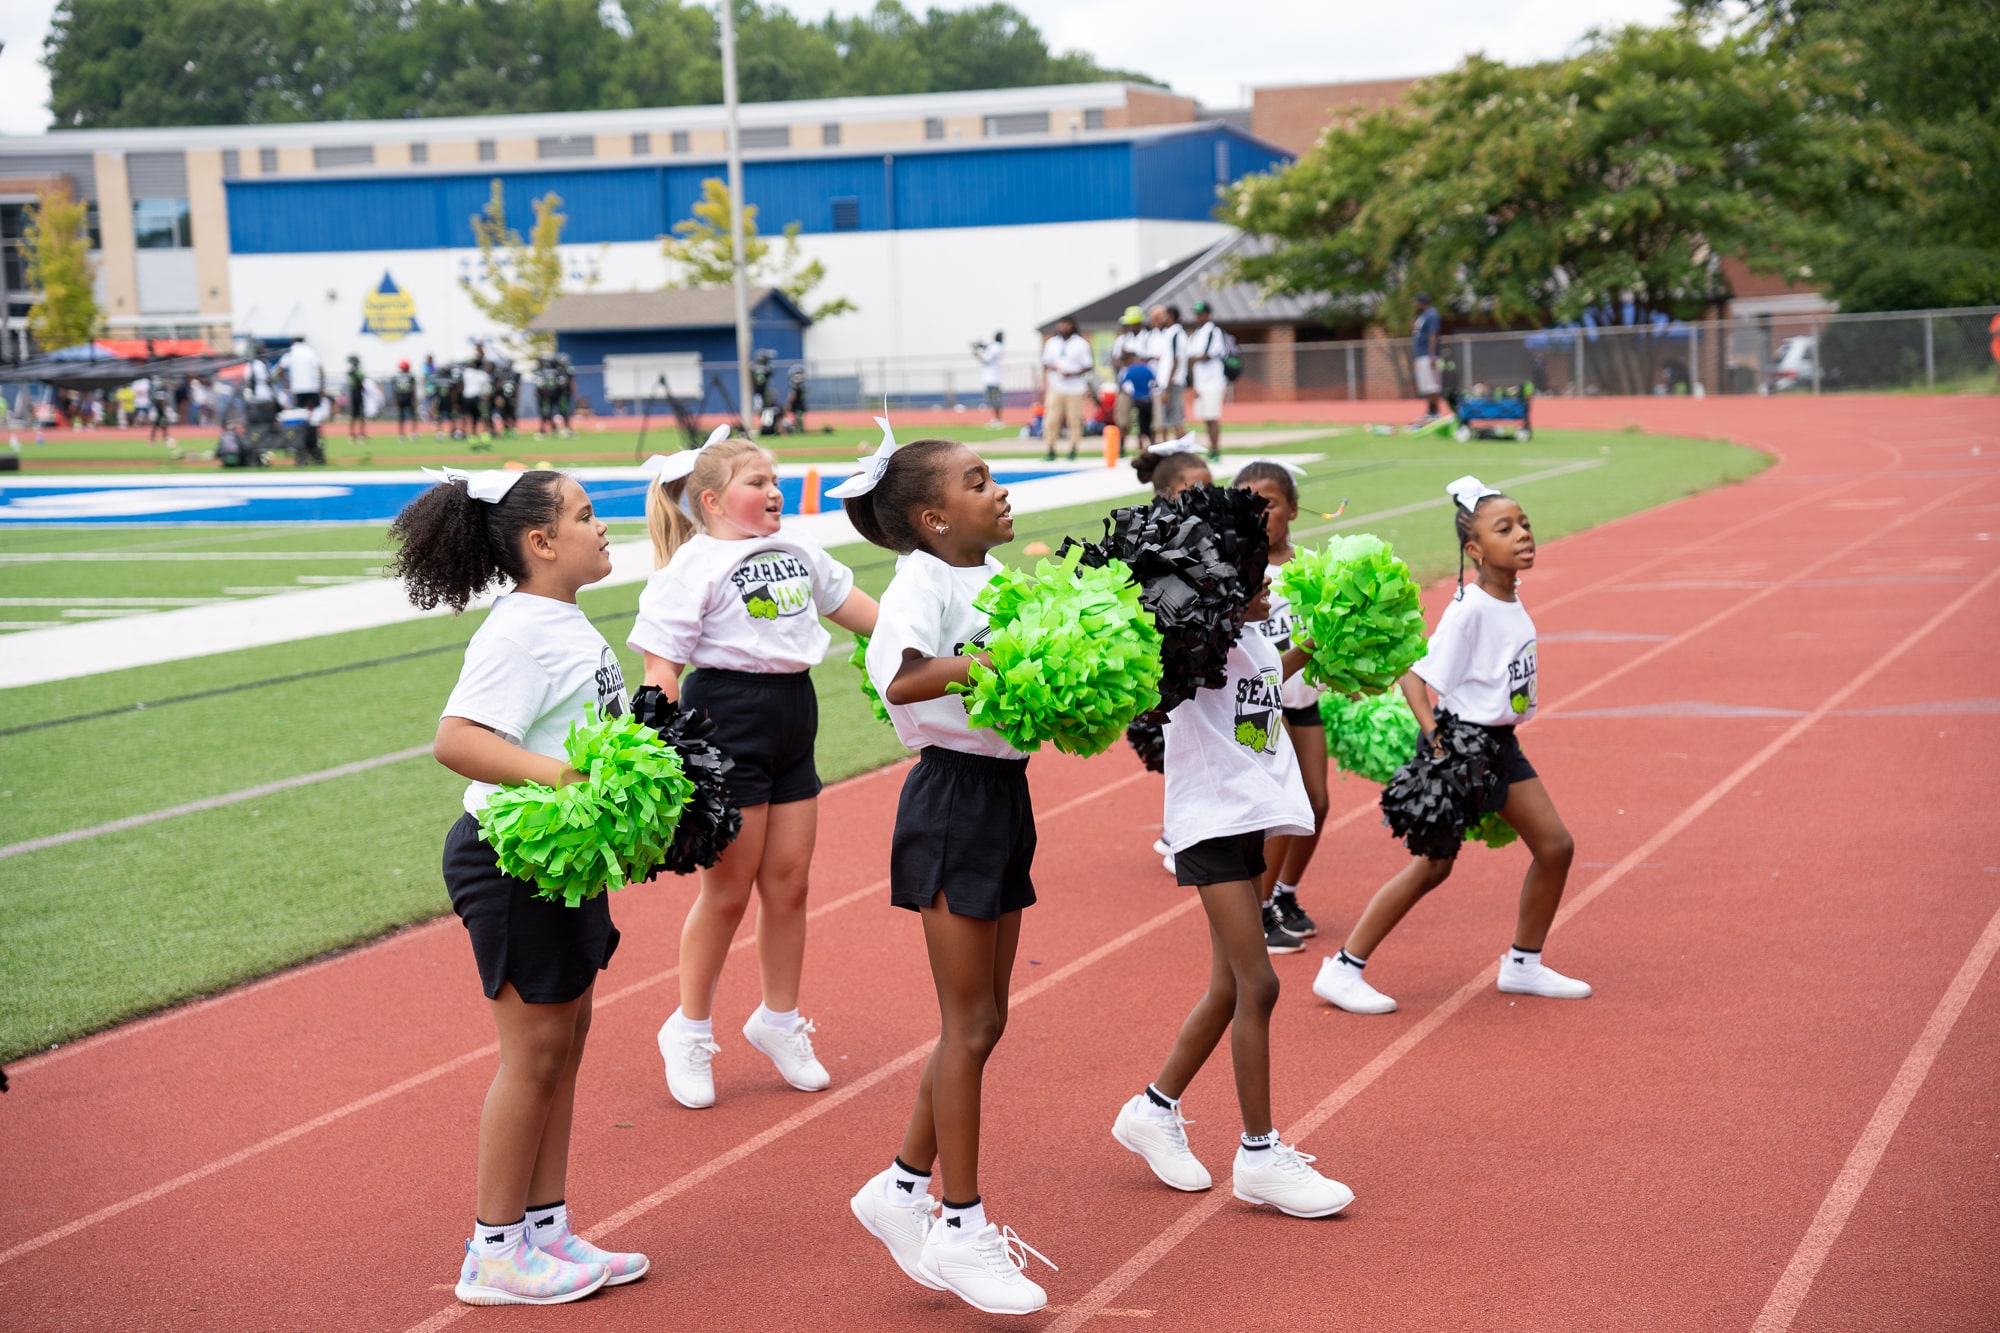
<point x="921" y="293"/>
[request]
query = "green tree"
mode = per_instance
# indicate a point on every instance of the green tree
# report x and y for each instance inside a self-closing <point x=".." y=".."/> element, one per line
<point x="1609" y="184"/>
<point x="700" y="251"/>
<point x="160" y="62"/>
<point x="60" y="272"/>
<point x="517" y="279"/>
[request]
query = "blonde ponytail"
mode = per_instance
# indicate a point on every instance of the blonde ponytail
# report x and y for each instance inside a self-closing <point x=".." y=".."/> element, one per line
<point x="674" y="512"/>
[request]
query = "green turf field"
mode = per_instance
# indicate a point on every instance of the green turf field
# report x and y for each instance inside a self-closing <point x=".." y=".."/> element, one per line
<point x="114" y="925"/>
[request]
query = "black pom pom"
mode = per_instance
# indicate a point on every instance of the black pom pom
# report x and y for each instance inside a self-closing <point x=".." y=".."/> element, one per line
<point x="710" y="821"/>
<point x="1198" y="558"/>
<point x="1148" y="736"/>
<point x="1432" y="799"/>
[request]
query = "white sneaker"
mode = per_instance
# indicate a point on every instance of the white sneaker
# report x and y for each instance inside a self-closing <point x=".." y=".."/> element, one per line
<point x="1166" y="854"/>
<point x="690" y="1077"/>
<point x="791" y="1052"/>
<point x="900" y="1222"/>
<point x="1285" y="1181"/>
<point x="985" y="1271"/>
<point x="1344" y="988"/>
<point x="1159" y="1135"/>
<point x="1535" y="979"/>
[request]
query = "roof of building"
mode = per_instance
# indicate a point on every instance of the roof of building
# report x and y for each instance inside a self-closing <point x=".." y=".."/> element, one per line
<point x="1203" y="276"/>
<point x="668" y="308"/>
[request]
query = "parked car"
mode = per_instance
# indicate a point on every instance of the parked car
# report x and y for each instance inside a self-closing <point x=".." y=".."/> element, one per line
<point x="1792" y="367"/>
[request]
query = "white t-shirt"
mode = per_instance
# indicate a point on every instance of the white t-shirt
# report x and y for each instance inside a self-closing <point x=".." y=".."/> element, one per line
<point x="1481" y="660"/>
<point x="1229" y="764"/>
<point x="475" y="383"/>
<point x="142" y="393"/>
<point x="1130" y="343"/>
<point x="992" y="357"/>
<point x="530" y="671"/>
<point x="1168" y="348"/>
<point x="301" y="366"/>
<point x="1279" y="629"/>
<point x="928" y="607"/>
<point x="1209" y="376"/>
<point x="1068" y="360"/>
<point x="749" y="604"/>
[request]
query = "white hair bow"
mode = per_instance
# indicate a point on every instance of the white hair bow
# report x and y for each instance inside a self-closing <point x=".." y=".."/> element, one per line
<point x="491" y="486"/>
<point x="872" y="467"/>
<point x="1292" y="468"/>
<point x="1186" y="444"/>
<point x="666" y="469"/>
<point x="1469" y="491"/>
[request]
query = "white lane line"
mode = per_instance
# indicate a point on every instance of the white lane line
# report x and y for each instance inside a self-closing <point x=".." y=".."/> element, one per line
<point x="1797" y="1279"/>
<point x="1581" y="465"/>
<point x="139" y="555"/>
<point x="1190" y="1221"/>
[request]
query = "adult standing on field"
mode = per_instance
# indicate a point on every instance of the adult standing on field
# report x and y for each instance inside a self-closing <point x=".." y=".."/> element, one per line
<point x="1067" y="361"/>
<point x="992" y="373"/>
<point x="1426" y="336"/>
<point x="300" y="367"/>
<point x="1168" y="347"/>
<point x="1128" y="348"/>
<point x="1206" y="348"/>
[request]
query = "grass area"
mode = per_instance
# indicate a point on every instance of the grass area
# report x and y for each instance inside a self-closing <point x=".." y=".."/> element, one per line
<point x="113" y="926"/>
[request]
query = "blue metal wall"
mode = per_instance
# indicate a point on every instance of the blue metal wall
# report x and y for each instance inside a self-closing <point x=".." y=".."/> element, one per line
<point x="770" y="329"/>
<point x="1170" y="177"/>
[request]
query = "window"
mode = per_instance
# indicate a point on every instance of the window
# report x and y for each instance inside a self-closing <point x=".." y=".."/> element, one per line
<point x="642" y="144"/>
<point x="343" y="155"/>
<point x="267" y="161"/>
<point x="829" y="135"/>
<point x="680" y="141"/>
<point x="487" y="151"/>
<point x="232" y="164"/>
<point x="420" y="153"/>
<point x="767" y="136"/>
<point x="161" y="224"/>
<point x="1019" y="122"/>
<point x="933" y="127"/>
<point x="846" y="213"/>
<point x="1093" y="118"/>
<point x="566" y="145"/>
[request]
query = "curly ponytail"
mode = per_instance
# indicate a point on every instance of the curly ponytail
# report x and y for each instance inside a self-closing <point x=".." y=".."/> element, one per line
<point x="1161" y="471"/>
<point x="451" y="547"/>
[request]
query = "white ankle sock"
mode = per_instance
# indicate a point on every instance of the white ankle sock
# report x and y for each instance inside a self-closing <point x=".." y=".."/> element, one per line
<point x="1525" y="957"/>
<point x="906" y="1184"/>
<point x="962" y="1224"/>
<point x="1278" y="890"/>
<point x="700" y="1027"/>
<point x="490" y="1242"/>
<point x="546" y="1224"/>
<point x="1346" y="959"/>
<point x="1260" y="1142"/>
<point x="784" y="1022"/>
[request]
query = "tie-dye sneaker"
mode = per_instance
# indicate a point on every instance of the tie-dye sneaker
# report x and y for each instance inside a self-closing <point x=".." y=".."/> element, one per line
<point x="557" y="1239"/>
<point x="526" y="1276"/>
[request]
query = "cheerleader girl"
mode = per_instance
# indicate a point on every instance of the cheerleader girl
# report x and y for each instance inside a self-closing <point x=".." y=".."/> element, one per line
<point x="1232" y="786"/>
<point x="1286" y="925"/>
<point x="531" y="670"/>
<point x="1481" y="667"/>
<point x="961" y="856"/>
<point x="739" y="598"/>
<point x="1172" y="466"/>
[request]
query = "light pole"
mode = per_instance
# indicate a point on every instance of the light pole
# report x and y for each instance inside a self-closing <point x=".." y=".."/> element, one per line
<point x="735" y="146"/>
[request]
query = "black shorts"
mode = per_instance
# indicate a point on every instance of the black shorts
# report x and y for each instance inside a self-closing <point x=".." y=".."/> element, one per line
<point x="767" y="723"/>
<point x="406" y="410"/>
<point x="965" y="826"/>
<point x="1240" y="856"/>
<point x="552" y="953"/>
<point x="1514" y="767"/>
<point x="1304" y="717"/>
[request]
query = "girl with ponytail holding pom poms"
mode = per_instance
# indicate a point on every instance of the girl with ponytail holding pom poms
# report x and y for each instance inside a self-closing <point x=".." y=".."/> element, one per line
<point x="740" y="599"/>
<point x="532" y="670"/>
<point x="1481" y="666"/>
<point x="961" y="856"/>
<point x="1286" y="925"/>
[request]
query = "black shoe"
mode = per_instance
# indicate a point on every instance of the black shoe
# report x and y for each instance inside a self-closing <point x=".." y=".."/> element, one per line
<point x="1072" y="455"/>
<point x="1276" y="938"/>
<point x="1293" y="917"/>
<point x="1051" y="458"/>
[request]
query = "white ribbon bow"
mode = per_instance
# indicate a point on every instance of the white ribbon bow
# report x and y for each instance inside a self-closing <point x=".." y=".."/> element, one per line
<point x="1292" y="468"/>
<point x="491" y="486"/>
<point x="1469" y="491"/>
<point x="666" y="469"/>
<point x="872" y="467"/>
<point x="1186" y="444"/>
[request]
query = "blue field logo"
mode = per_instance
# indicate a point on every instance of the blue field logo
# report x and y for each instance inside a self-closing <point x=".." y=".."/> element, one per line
<point x="388" y="312"/>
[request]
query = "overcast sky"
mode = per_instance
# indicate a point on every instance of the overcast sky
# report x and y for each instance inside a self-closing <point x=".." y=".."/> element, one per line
<point x="1216" y="50"/>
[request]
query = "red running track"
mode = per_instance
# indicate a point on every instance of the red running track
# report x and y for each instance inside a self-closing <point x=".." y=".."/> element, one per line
<point x="1771" y="720"/>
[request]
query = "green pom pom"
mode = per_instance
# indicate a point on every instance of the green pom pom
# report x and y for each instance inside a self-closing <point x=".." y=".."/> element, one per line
<point x="1491" y="830"/>
<point x="607" y="831"/>
<point x="1370" y="737"/>
<point x="1075" y="657"/>
<point x="1360" y="610"/>
<point x="858" y="659"/>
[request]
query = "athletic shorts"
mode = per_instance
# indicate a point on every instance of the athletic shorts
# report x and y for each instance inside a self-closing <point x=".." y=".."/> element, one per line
<point x="1208" y="405"/>
<point x="965" y="827"/>
<point x="1308" y="716"/>
<point x="994" y="398"/>
<point x="406" y="410"/>
<point x="767" y="722"/>
<point x="552" y="953"/>
<point x="1514" y="767"/>
<point x="1240" y="856"/>
<point x="1426" y="369"/>
<point x="1169" y="410"/>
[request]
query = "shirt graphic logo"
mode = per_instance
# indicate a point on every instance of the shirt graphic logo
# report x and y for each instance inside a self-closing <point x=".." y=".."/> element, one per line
<point x="773" y="584"/>
<point x="973" y="644"/>
<point x="1257" y="712"/>
<point x="610" y="685"/>
<point x="1521" y="680"/>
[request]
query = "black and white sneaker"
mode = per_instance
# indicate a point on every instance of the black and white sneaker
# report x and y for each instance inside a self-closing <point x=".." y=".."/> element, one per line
<point x="1293" y="917"/>
<point x="1276" y="938"/>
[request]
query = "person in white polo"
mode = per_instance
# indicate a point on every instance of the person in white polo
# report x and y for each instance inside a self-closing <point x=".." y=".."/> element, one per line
<point x="1205" y="348"/>
<point x="1067" y="360"/>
